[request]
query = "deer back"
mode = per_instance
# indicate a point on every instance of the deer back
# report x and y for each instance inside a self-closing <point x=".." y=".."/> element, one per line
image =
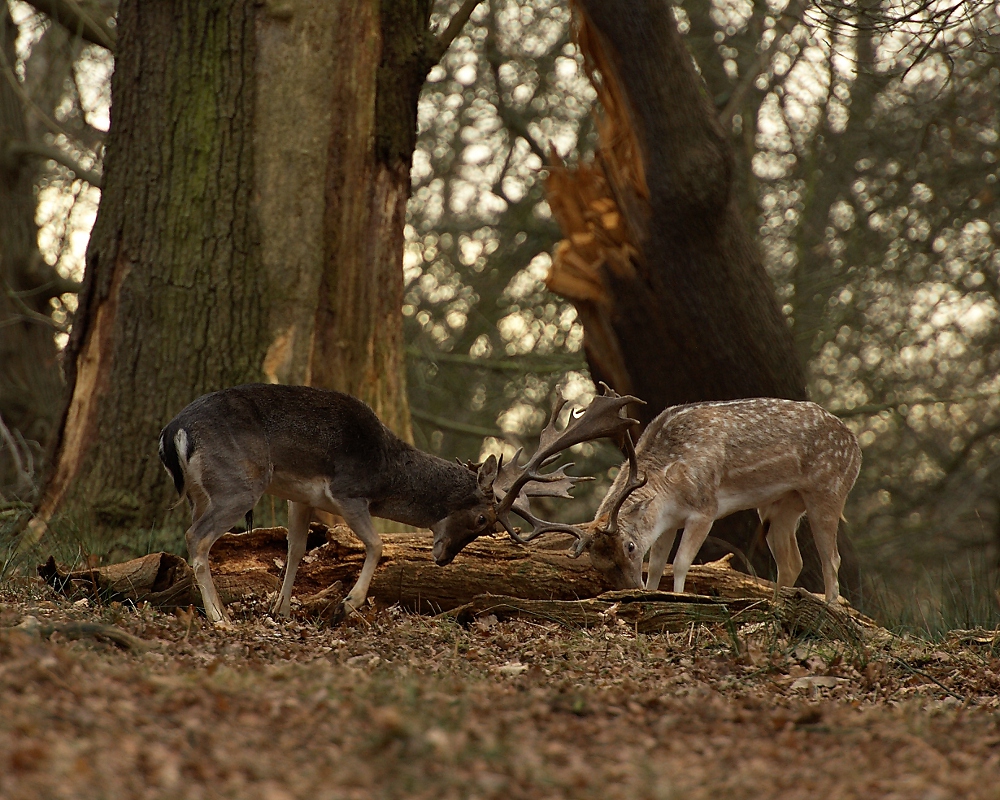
<point x="724" y="456"/>
<point x="272" y="437"/>
<point x="256" y="430"/>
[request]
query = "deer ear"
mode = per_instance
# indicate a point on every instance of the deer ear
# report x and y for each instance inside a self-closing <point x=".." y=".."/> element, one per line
<point x="486" y="474"/>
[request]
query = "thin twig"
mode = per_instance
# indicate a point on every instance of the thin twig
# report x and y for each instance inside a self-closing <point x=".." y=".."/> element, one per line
<point x="457" y="427"/>
<point x="875" y="408"/>
<point x="521" y="365"/>
<point x="23" y="480"/>
<point x="11" y="76"/>
<point x="931" y="678"/>
<point x="785" y="25"/>
<point x="513" y="121"/>
<point x="94" y="630"/>
<point x="19" y="149"/>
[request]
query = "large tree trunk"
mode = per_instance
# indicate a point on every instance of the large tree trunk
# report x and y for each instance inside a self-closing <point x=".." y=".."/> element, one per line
<point x="174" y="298"/>
<point x="381" y="60"/>
<point x="30" y="383"/>
<point x="331" y="89"/>
<point x="669" y="284"/>
<point x="251" y="227"/>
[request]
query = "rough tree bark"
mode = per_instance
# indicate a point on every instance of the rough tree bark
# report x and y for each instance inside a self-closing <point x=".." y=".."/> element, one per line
<point x="334" y="82"/>
<point x="256" y="177"/>
<point x="675" y="301"/>
<point x="174" y="297"/>
<point x="383" y="54"/>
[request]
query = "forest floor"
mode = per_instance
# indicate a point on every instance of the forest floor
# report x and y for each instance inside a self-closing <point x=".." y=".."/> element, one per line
<point x="393" y="705"/>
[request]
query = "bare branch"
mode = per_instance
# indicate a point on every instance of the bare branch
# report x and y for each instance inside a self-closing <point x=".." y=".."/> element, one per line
<point x="18" y="150"/>
<point x="11" y="77"/>
<point x="784" y="25"/>
<point x="513" y="121"/>
<point x="443" y="41"/>
<point x="54" y="287"/>
<point x="22" y="471"/>
<point x="529" y="363"/>
<point x="452" y="425"/>
<point x="876" y="408"/>
<point x="75" y="18"/>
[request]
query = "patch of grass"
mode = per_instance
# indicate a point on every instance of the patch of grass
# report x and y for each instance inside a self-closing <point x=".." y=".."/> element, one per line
<point x="11" y="559"/>
<point x="940" y="602"/>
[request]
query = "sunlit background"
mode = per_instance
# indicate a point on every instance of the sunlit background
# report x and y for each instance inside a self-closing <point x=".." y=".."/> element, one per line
<point x="867" y="141"/>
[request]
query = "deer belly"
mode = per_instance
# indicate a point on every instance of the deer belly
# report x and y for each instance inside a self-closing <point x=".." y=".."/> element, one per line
<point x="732" y="499"/>
<point x="314" y="492"/>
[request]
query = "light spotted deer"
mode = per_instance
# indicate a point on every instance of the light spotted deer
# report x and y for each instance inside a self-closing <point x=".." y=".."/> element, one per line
<point x="327" y="450"/>
<point x="697" y="463"/>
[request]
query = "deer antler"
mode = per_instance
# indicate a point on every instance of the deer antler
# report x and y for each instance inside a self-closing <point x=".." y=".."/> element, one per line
<point x="633" y="482"/>
<point x="602" y="418"/>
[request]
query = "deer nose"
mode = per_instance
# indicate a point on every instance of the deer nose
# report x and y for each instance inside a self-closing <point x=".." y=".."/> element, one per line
<point x="441" y="555"/>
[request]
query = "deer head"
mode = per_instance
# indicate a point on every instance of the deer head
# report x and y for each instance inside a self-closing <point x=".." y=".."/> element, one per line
<point x="462" y="527"/>
<point x="610" y="540"/>
<point x="511" y="486"/>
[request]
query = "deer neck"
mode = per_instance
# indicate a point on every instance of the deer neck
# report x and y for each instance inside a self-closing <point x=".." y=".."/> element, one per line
<point x="423" y="489"/>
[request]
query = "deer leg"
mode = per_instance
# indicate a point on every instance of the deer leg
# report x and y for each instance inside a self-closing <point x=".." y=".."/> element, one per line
<point x="298" y="531"/>
<point x="357" y="516"/>
<point x="658" y="555"/>
<point x="695" y="533"/>
<point x="824" y="519"/>
<point x="213" y="521"/>
<point x="784" y="516"/>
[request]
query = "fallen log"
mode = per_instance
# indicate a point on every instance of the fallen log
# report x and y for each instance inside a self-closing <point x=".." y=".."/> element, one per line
<point x="645" y="612"/>
<point x="249" y="566"/>
<point x="161" y="579"/>
<point x="491" y="576"/>
<point x="798" y="612"/>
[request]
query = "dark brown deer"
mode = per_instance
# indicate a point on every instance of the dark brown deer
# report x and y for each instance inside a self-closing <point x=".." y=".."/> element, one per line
<point x="697" y="463"/>
<point x="327" y="450"/>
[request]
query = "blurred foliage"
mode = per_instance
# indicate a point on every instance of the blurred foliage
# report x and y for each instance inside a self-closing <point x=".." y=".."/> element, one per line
<point x="63" y="85"/>
<point x="67" y="90"/>
<point x="487" y="342"/>
<point x="867" y="141"/>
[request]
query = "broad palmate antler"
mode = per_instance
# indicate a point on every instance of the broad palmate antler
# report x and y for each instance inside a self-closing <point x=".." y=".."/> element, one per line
<point x="514" y="486"/>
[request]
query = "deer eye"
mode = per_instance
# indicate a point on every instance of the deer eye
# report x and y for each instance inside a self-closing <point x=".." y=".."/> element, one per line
<point x="480" y="520"/>
<point x="631" y="547"/>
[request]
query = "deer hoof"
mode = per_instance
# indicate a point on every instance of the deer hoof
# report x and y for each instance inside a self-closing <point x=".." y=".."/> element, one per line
<point x="280" y="610"/>
<point x="341" y="612"/>
<point x="218" y="617"/>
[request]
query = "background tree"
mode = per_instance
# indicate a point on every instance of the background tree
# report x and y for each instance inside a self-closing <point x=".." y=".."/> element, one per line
<point x="32" y="290"/>
<point x="225" y="228"/>
<point x="783" y="81"/>
<point x="883" y="258"/>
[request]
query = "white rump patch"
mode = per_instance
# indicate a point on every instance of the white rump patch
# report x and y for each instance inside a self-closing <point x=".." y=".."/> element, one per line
<point x="181" y="446"/>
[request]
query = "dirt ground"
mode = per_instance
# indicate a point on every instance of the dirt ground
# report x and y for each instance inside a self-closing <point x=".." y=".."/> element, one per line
<point x="393" y="705"/>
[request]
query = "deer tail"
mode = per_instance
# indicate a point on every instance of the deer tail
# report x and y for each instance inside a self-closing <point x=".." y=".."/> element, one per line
<point x="175" y="450"/>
